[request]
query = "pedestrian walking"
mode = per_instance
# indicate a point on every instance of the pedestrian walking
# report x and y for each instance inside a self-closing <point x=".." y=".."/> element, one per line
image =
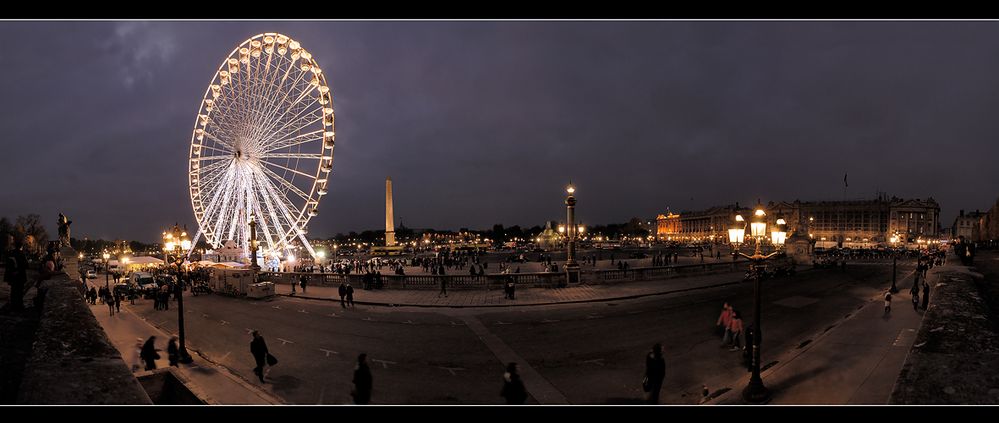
<point x="117" y="303"/>
<point x="15" y="274"/>
<point x="723" y="323"/>
<point x="259" y="350"/>
<point x="362" y="381"/>
<point x="513" y="387"/>
<point x="926" y="295"/>
<point x="914" y="292"/>
<point x="350" y="295"/>
<point x="735" y="327"/>
<point x="293" y="284"/>
<point x="443" y="287"/>
<point x="655" y="372"/>
<point x="149" y="354"/>
<point x="342" y="290"/>
<point x="109" y="300"/>
<point x="887" y="301"/>
<point x="304" y="282"/>
<point x="173" y="352"/>
<point x="137" y="355"/>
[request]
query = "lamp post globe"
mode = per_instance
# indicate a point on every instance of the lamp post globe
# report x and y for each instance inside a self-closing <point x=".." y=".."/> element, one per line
<point x="107" y="257"/>
<point x="571" y="267"/>
<point x="177" y="242"/>
<point x="755" y="391"/>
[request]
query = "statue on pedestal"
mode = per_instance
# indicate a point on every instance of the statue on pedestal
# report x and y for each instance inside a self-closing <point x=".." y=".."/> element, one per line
<point x="64" y="223"/>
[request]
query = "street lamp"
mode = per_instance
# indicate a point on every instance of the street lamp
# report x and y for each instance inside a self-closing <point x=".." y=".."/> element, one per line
<point x="253" y="247"/>
<point x="571" y="267"/>
<point x="176" y="240"/>
<point x="106" y="256"/>
<point x="755" y="391"/>
<point x="894" y="262"/>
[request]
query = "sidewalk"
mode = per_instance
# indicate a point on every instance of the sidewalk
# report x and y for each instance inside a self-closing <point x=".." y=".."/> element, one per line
<point x="855" y="361"/>
<point x="457" y="298"/>
<point x="212" y="383"/>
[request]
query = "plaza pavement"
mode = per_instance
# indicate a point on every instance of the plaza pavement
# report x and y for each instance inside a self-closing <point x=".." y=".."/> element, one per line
<point x="211" y="382"/>
<point x="854" y="361"/>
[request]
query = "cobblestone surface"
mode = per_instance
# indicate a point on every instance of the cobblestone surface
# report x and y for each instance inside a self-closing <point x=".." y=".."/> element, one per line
<point x="955" y="359"/>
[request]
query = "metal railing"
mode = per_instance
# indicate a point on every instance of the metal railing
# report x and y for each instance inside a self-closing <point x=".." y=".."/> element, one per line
<point x="496" y="281"/>
<point x="491" y="281"/>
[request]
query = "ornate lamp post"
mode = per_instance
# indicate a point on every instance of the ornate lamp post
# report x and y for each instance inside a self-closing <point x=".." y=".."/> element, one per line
<point x="106" y="256"/>
<point x="253" y="247"/>
<point x="755" y="392"/>
<point x="571" y="267"/>
<point x="894" y="263"/>
<point x="176" y="240"/>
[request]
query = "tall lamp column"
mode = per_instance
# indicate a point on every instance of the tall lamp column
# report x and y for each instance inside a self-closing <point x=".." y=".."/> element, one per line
<point x="176" y="240"/>
<point x="571" y="267"/>
<point x="755" y="391"/>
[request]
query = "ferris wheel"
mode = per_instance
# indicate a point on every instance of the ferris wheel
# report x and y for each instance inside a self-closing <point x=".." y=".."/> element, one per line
<point x="262" y="147"/>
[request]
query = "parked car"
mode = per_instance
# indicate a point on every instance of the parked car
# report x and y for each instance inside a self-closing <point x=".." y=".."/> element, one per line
<point x="91" y="274"/>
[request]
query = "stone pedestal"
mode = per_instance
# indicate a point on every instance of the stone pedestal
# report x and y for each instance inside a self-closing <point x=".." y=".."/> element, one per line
<point x="70" y="262"/>
<point x="800" y="249"/>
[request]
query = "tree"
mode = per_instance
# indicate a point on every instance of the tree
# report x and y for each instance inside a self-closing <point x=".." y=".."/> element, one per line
<point x="30" y="229"/>
<point x="6" y="232"/>
<point x="498" y="234"/>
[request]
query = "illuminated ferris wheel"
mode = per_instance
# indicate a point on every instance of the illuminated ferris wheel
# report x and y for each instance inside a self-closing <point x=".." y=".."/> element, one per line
<point x="262" y="146"/>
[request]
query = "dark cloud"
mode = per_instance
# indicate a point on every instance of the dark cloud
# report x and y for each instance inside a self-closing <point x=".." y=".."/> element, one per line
<point x="484" y="122"/>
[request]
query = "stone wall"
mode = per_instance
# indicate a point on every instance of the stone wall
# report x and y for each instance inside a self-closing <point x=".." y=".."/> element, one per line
<point x="72" y="360"/>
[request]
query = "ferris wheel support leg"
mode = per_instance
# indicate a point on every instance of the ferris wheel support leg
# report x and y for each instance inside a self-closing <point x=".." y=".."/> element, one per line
<point x="194" y="242"/>
<point x="308" y="246"/>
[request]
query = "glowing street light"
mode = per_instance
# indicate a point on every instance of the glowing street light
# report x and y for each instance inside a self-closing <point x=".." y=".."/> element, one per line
<point x="176" y="240"/>
<point x="755" y="391"/>
<point x="571" y="267"/>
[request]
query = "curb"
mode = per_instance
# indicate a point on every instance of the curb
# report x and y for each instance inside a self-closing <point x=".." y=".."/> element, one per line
<point x="786" y="357"/>
<point x="595" y="300"/>
<point x="221" y="368"/>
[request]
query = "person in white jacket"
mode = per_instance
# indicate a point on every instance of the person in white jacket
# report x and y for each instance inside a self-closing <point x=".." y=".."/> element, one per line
<point x="136" y="357"/>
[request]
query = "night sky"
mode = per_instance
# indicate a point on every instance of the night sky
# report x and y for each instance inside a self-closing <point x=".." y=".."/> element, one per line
<point x="485" y="122"/>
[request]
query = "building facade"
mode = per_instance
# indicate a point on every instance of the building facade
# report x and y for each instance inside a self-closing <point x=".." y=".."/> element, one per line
<point x="853" y="223"/>
<point x="969" y="225"/>
<point x="709" y="225"/>
<point x="861" y="223"/>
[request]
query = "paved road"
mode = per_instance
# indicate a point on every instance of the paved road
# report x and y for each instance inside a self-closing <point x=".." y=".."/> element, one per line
<point x="575" y="353"/>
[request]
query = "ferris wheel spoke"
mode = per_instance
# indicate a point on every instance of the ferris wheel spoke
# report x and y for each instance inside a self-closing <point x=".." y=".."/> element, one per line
<point x="207" y="158"/>
<point x="294" y="105"/>
<point x="307" y="156"/>
<point x="301" y="121"/>
<point x="287" y="92"/>
<point x="227" y="152"/>
<point x="285" y="207"/>
<point x="289" y="169"/>
<point x="299" y="139"/>
<point x="220" y="141"/>
<point x="262" y="181"/>
<point x="288" y="185"/>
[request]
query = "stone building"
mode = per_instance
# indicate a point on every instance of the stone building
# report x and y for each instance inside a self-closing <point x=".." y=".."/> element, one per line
<point x="709" y="225"/>
<point x="861" y="223"/>
<point x="852" y="223"/>
<point x="968" y="225"/>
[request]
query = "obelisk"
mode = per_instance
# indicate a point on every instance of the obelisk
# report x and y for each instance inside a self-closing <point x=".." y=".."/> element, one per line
<point x="389" y="226"/>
